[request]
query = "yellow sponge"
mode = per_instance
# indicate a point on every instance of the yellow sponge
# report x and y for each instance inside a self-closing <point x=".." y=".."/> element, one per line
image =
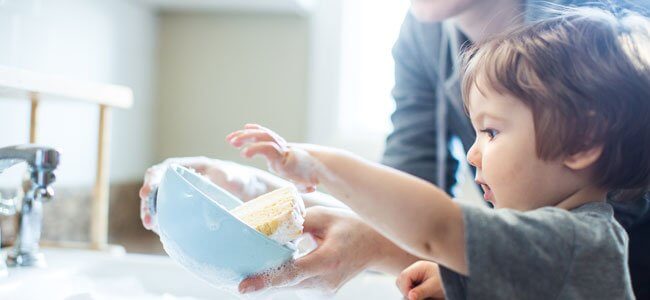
<point x="278" y="214"/>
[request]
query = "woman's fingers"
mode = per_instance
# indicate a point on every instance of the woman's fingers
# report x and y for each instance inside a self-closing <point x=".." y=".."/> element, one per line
<point x="304" y="188"/>
<point x="289" y="275"/>
<point x="152" y="177"/>
<point x="309" y="266"/>
<point x="316" y="221"/>
<point x="145" y="217"/>
<point x="145" y="189"/>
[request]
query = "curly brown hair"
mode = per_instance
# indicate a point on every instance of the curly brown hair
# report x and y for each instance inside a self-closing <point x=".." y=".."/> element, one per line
<point x="585" y="74"/>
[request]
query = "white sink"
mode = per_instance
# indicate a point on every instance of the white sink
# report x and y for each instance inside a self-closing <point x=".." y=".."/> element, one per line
<point x="80" y="274"/>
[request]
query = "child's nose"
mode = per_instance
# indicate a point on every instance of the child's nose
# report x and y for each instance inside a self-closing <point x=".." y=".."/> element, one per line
<point x="474" y="156"/>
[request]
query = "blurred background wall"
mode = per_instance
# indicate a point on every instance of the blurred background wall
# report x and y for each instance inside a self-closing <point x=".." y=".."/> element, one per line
<point x="218" y="72"/>
<point x="315" y="71"/>
<point x="197" y="72"/>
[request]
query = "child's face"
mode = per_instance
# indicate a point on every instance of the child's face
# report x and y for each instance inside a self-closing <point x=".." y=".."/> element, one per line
<point x="504" y="153"/>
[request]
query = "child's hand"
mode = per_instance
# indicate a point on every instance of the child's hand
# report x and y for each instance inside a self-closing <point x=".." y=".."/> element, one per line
<point x="421" y="280"/>
<point x="289" y="161"/>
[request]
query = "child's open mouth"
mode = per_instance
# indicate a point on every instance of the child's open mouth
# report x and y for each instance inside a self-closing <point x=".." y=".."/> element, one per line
<point x="488" y="195"/>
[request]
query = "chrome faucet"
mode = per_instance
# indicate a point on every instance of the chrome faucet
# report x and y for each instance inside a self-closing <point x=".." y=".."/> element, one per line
<point x="41" y="163"/>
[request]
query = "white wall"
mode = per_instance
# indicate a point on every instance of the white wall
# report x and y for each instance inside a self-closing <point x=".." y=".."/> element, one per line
<point x="351" y="74"/>
<point x="219" y="71"/>
<point x="104" y="41"/>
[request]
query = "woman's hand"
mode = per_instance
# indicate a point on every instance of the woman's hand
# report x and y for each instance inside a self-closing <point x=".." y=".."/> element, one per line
<point x="346" y="247"/>
<point x="244" y="182"/>
<point x="291" y="161"/>
<point x="421" y="280"/>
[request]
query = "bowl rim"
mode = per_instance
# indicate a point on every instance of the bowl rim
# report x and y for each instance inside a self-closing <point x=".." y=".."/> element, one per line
<point x="175" y="167"/>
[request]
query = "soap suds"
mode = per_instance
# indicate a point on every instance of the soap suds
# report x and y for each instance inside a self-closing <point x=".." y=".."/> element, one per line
<point x="302" y="165"/>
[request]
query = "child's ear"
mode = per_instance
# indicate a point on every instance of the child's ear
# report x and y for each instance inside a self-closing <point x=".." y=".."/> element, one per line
<point x="583" y="159"/>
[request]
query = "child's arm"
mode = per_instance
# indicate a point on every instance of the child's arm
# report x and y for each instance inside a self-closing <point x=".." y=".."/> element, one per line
<point x="411" y="212"/>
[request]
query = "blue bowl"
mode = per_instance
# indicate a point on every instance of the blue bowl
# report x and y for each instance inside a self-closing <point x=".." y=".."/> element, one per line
<point x="198" y="231"/>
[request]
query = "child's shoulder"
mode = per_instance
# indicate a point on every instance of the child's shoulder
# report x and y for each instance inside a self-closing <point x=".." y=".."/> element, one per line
<point x="596" y="229"/>
<point x="560" y="247"/>
<point x="591" y="225"/>
<point x="592" y="222"/>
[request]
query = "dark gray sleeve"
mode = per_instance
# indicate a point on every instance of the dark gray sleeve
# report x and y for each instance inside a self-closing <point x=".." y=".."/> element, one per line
<point x="506" y="246"/>
<point x="631" y="213"/>
<point x="411" y="147"/>
<point x="635" y="217"/>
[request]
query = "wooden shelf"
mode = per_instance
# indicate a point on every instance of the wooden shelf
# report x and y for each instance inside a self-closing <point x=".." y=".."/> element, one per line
<point x="34" y="87"/>
<point x="20" y="83"/>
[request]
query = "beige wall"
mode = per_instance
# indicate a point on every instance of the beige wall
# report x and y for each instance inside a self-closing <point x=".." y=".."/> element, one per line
<point x="219" y="71"/>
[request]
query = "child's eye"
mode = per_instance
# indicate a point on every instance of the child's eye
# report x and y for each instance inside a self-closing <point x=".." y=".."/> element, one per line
<point x="490" y="132"/>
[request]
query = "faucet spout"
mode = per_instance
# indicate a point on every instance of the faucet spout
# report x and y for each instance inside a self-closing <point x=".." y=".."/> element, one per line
<point x="42" y="162"/>
<point x="39" y="157"/>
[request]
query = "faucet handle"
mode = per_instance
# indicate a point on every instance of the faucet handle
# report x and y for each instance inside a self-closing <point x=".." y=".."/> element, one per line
<point x="7" y="206"/>
<point x="39" y="185"/>
<point x="44" y="194"/>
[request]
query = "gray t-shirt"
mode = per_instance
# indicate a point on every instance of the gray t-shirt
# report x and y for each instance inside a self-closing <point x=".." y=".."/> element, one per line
<point x="547" y="253"/>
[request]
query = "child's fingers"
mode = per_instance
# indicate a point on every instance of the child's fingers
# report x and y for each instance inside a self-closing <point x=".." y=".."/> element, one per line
<point x="270" y="150"/>
<point x="430" y="288"/>
<point x="242" y="133"/>
<point x="404" y="283"/>
<point x="255" y="133"/>
<point x="246" y="136"/>
<point x="272" y="133"/>
<point x="413" y="275"/>
<point x="231" y="135"/>
<point x="400" y="286"/>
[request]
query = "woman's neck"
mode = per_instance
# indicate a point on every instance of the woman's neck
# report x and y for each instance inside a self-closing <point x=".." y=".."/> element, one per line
<point x="488" y="18"/>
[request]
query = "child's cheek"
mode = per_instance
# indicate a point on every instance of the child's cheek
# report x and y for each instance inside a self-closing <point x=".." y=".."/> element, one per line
<point x="498" y="166"/>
